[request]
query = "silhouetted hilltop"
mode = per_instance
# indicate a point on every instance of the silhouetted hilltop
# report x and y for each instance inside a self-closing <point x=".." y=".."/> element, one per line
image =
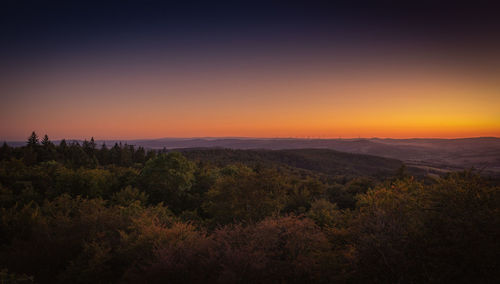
<point x="451" y="154"/>
<point x="427" y="153"/>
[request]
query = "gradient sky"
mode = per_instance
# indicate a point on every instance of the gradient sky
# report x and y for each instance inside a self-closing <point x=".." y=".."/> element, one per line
<point x="128" y="70"/>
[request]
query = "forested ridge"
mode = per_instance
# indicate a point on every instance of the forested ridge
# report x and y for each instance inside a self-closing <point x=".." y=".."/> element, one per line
<point x="86" y="213"/>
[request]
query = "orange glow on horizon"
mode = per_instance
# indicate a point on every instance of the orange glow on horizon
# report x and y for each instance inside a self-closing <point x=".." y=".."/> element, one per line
<point x="327" y="103"/>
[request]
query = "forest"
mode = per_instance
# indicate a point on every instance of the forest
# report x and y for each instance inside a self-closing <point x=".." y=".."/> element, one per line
<point x="76" y="212"/>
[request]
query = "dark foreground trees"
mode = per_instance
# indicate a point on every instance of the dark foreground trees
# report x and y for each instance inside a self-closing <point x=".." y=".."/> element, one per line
<point x="179" y="221"/>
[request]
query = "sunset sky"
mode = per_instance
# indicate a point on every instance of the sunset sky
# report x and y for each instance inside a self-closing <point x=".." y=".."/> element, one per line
<point x="124" y="70"/>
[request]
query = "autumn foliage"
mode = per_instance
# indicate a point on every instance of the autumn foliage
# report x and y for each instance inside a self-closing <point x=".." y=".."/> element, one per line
<point x="170" y="219"/>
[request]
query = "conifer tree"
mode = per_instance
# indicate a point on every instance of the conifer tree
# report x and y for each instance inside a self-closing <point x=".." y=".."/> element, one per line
<point x="140" y="155"/>
<point x="46" y="142"/>
<point x="115" y="154"/>
<point x="151" y="154"/>
<point x="103" y="155"/>
<point x="33" y="139"/>
<point x="85" y="144"/>
<point x="48" y="151"/>
<point x="92" y="143"/>
<point x="63" y="144"/>
<point x="63" y="149"/>
<point x="87" y="147"/>
<point x="5" y="151"/>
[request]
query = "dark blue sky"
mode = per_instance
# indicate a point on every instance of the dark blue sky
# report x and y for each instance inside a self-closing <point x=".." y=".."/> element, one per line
<point x="33" y="25"/>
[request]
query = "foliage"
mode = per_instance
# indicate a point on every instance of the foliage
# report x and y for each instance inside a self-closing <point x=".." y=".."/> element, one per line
<point x="168" y="178"/>
<point x="72" y="213"/>
<point x="242" y="194"/>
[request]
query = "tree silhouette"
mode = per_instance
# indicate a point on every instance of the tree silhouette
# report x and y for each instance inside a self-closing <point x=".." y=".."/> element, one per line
<point x="45" y="141"/>
<point x="33" y="139"/>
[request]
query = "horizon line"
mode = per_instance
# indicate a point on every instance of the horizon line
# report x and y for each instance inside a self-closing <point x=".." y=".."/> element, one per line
<point x="263" y="138"/>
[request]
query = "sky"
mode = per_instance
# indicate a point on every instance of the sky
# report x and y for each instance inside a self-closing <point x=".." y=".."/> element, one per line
<point x="146" y="69"/>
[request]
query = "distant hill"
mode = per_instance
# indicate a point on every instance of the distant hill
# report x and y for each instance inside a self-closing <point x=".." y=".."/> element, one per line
<point x="447" y="154"/>
<point x="325" y="161"/>
<point x="439" y="154"/>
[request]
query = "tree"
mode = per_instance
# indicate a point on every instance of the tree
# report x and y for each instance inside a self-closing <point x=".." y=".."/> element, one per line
<point x="63" y="144"/>
<point x="461" y="213"/>
<point x="325" y="213"/>
<point x="32" y="140"/>
<point x="241" y="194"/>
<point x="5" y="152"/>
<point x="167" y="178"/>
<point x="115" y="154"/>
<point x="31" y="150"/>
<point x="388" y="231"/>
<point x="151" y="154"/>
<point x="78" y="157"/>
<point x="89" y="149"/>
<point x="140" y="155"/>
<point x="45" y="141"/>
<point x="86" y="147"/>
<point x="92" y="143"/>
<point x="446" y="232"/>
<point x="103" y="155"/>
<point x="48" y="150"/>
<point x="129" y="195"/>
<point x="63" y="150"/>
<point x="126" y="155"/>
<point x="276" y="250"/>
